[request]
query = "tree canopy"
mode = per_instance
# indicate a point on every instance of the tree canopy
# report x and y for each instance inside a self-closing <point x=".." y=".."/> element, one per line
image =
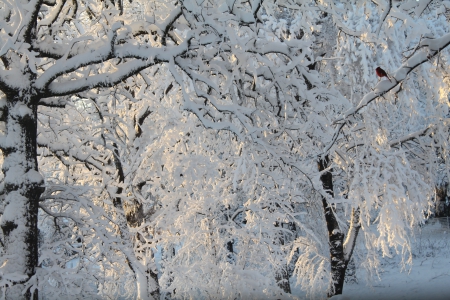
<point x="217" y="148"/>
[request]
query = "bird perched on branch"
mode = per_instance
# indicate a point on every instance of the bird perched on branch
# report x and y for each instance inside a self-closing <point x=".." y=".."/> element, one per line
<point x="382" y="73"/>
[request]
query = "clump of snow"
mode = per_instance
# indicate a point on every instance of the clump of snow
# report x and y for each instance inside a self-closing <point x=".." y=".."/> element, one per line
<point x="14" y="210"/>
<point x="336" y="231"/>
<point x="24" y="111"/>
<point x="34" y="176"/>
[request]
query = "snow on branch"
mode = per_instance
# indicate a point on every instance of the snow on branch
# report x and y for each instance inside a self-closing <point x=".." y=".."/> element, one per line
<point x="53" y="102"/>
<point x="145" y="58"/>
<point x="427" y="48"/>
<point x="64" y="66"/>
<point x="418" y="133"/>
<point x="102" y="80"/>
<point x="53" y="14"/>
<point x="22" y="31"/>
<point x="6" y="84"/>
<point x="74" y="152"/>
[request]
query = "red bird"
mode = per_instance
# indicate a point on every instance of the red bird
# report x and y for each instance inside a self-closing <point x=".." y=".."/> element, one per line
<point x="382" y="73"/>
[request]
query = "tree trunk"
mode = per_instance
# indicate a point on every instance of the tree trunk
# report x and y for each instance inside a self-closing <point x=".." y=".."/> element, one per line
<point x="335" y="236"/>
<point x="282" y="279"/>
<point x="23" y="186"/>
<point x="131" y="215"/>
<point x="282" y="276"/>
<point x="147" y="286"/>
<point x="146" y="278"/>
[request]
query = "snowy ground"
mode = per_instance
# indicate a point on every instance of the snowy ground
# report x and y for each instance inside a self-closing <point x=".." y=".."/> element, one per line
<point x="429" y="277"/>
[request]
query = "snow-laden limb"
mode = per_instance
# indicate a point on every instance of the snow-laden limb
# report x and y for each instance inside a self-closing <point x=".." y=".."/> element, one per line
<point x="75" y="153"/>
<point x="26" y="15"/>
<point x="427" y="49"/>
<point x="53" y="13"/>
<point x="156" y="175"/>
<point x="101" y="80"/>
<point x="53" y="102"/>
<point x="66" y="65"/>
<point x="419" y="133"/>
<point x="145" y="57"/>
<point x="409" y="137"/>
<point x="12" y="81"/>
<point x="352" y="234"/>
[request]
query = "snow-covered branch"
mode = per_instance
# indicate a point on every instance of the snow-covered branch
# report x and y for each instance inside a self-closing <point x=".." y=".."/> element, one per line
<point x="428" y="48"/>
<point x="64" y="65"/>
<point x="384" y="16"/>
<point x="426" y="131"/>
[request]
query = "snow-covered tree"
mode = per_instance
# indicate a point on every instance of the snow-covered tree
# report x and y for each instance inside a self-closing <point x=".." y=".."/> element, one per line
<point x="239" y="67"/>
<point x="377" y="171"/>
<point x="53" y="50"/>
<point x="168" y="169"/>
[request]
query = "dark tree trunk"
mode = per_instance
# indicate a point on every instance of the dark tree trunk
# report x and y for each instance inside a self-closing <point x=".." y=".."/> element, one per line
<point x="282" y="279"/>
<point x="282" y="276"/>
<point x="335" y="236"/>
<point x="23" y="186"/>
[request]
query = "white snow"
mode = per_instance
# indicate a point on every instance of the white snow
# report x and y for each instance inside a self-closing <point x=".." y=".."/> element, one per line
<point x="14" y="208"/>
<point x="25" y="111"/>
<point x="34" y="176"/>
<point x="428" y="278"/>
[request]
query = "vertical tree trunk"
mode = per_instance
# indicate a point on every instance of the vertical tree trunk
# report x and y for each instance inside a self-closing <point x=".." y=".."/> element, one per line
<point x="282" y="279"/>
<point x="335" y="236"/>
<point x="23" y="186"/>
<point x="131" y="215"/>
<point x="282" y="276"/>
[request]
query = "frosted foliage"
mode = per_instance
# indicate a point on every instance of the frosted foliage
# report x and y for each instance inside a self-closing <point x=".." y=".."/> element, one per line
<point x="310" y="253"/>
<point x="397" y="193"/>
<point x="74" y="246"/>
<point x="186" y="172"/>
<point x="215" y="149"/>
<point x="391" y="185"/>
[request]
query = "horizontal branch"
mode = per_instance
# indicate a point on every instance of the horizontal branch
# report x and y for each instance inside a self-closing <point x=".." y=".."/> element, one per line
<point x="64" y="66"/>
<point x="418" y="133"/>
<point x="144" y="57"/>
<point x="53" y="102"/>
<point x="102" y="80"/>
<point x="64" y="148"/>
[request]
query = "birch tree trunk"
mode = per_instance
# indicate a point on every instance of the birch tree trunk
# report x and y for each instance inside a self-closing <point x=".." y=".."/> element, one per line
<point x="23" y="186"/>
